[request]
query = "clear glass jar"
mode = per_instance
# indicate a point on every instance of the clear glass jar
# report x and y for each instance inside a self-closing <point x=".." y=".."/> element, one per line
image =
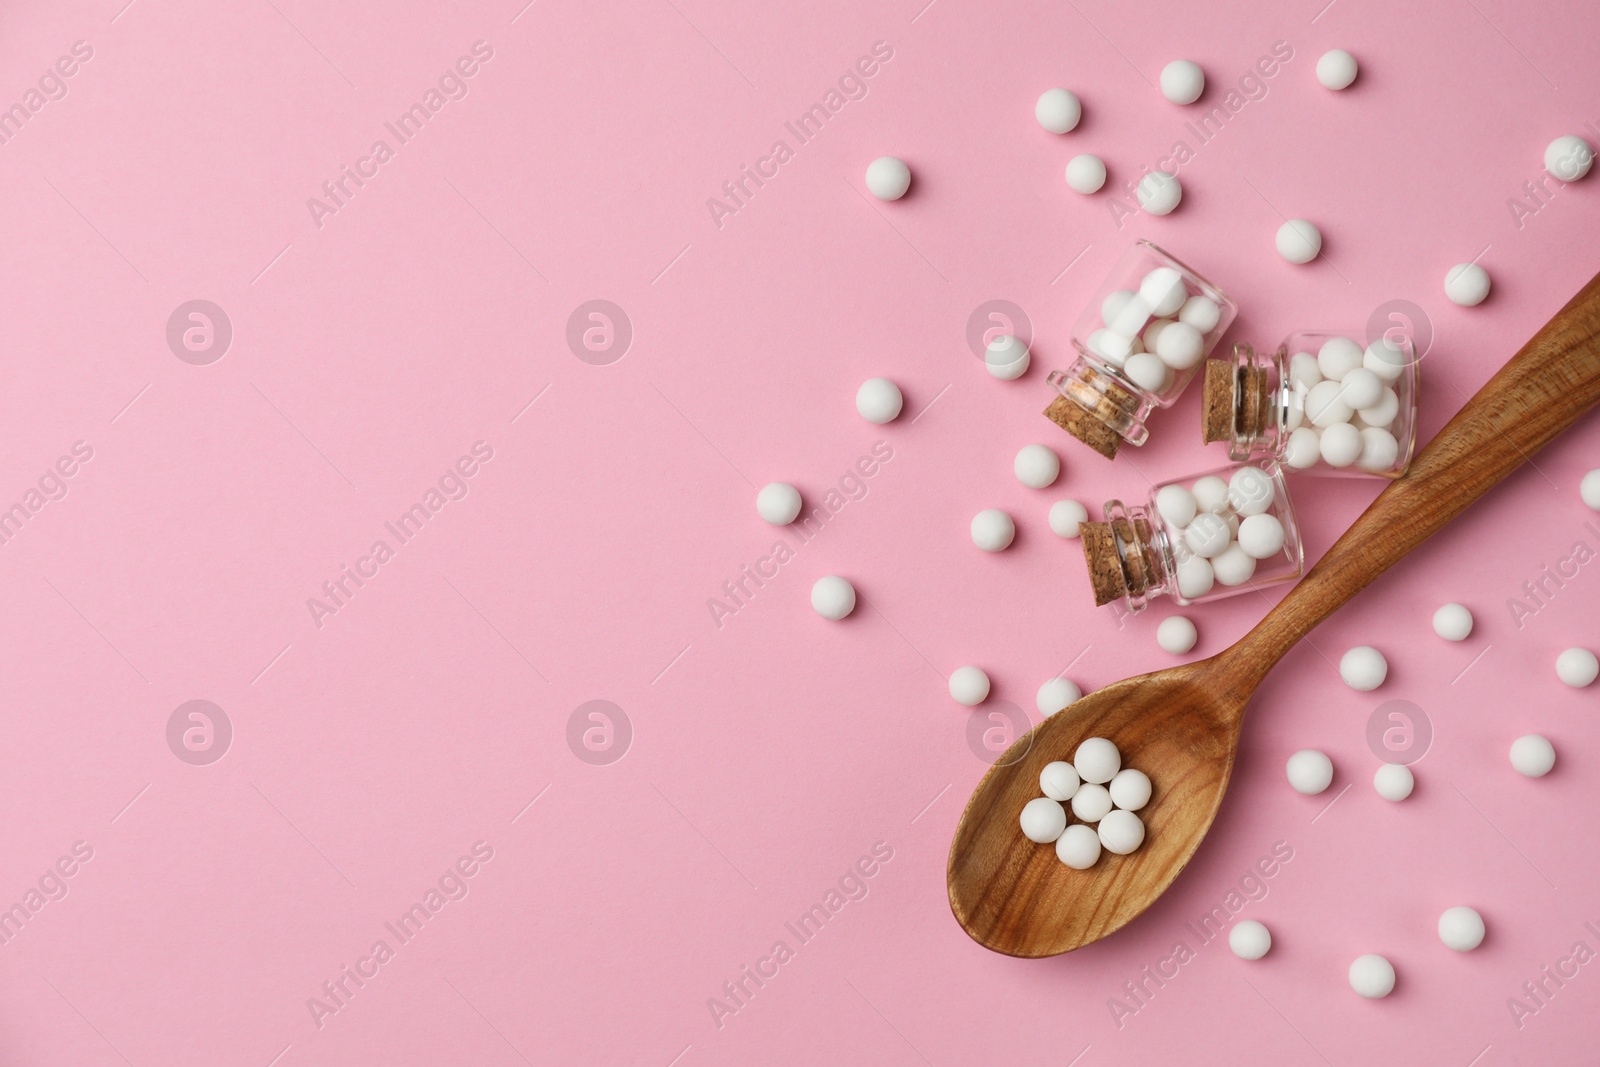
<point x="1197" y="539"/>
<point x="1140" y="340"/>
<point x="1319" y="403"/>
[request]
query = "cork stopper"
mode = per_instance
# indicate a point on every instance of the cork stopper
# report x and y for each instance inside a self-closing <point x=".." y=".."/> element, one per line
<point x="1085" y="426"/>
<point x="1236" y="400"/>
<point x="1216" y="401"/>
<point x="1105" y="568"/>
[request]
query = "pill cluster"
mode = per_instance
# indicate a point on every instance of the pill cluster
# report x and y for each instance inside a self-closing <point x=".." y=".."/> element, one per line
<point x="1221" y="529"/>
<point x="1100" y="791"/>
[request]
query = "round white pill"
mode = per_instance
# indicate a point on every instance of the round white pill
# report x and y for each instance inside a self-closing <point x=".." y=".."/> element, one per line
<point x="1130" y="789"/>
<point x="1195" y="577"/>
<point x="1250" y="491"/>
<point x="1453" y="622"/>
<point x="1097" y="760"/>
<point x="1210" y="493"/>
<point x="1394" y="781"/>
<point x="888" y="178"/>
<point x="1363" y="668"/>
<point x="1176" y="635"/>
<point x="1360" y="388"/>
<point x="1589" y="490"/>
<point x="1309" y="771"/>
<point x="878" y="400"/>
<point x="1577" y="667"/>
<point x="1299" y="241"/>
<point x="1058" y="780"/>
<point x="992" y="530"/>
<point x="1056" y="694"/>
<point x="1121" y="832"/>
<point x="1058" y="110"/>
<point x="1043" y="820"/>
<point x="1113" y="304"/>
<point x="1006" y="357"/>
<point x="1532" y="755"/>
<point x="1176" y="505"/>
<point x="1208" y="535"/>
<point x="1163" y="290"/>
<point x="1036" y="466"/>
<point x="1159" y="192"/>
<point x="1114" y="347"/>
<point x="1086" y="173"/>
<point x="1383" y="413"/>
<point x="1152" y="333"/>
<point x="1078" y="847"/>
<point x="1372" y="976"/>
<point x="969" y="686"/>
<point x="1337" y="357"/>
<point x="833" y="598"/>
<point x="1249" y="940"/>
<point x="1386" y="360"/>
<point x="1180" y="345"/>
<point x="1340" y="444"/>
<point x="1461" y="928"/>
<point x="1182" y="81"/>
<point x="1568" y="158"/>
<point x="1234" y="567"/>
<point x="1131" y="316"/>
<point x="1261" y="536"/>
<point x="1201" y="312"/>
<point x="1067" y="518"/>
<point x="1466" y="284"/>
<point x="1304" y="371"/>
<point x="1091" y="802"/>
<point x="1303" y="448"/>
<point x="1336" y="69"/>
<point x="1147" y="372"/>
<point x="1379" y="449"/>
<point x="778" y="503"/>
<point x="1324" y="407"/>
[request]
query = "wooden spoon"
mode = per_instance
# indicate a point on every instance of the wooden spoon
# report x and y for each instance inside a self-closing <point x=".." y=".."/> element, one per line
<point x="1181" y="725"/>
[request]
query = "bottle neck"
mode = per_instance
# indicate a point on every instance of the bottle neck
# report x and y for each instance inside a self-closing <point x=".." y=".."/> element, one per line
<point x="1128" y="556"/>
<point x="1245" y="402"/>
<point x="1099" y="406"/>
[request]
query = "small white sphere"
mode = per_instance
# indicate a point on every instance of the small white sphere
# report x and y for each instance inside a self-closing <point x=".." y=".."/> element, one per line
<point x="1176" y="635"/>
<point x="1466" y="284"/>
<point x="1152" y="334"/>
<point x="1360" y="388"/>
<point x="1589" y="490"/>
<point x="1337" y="357"/>
<point x="1176" y="505"/>
<point x="1568" y="158"/>
<point x="1130" y="789"/>
<point x="1058" y="781"/>
<point x="1164" y="291"/>
<point x="1208" y="535"/>
<point x="1086" y="173"/>
<point x="992" y="530"/>
<point x="1324" y="406"/>
<point x="1234" y="567"/>
<point x="1383" y="413"/>
<point x="1340" y="444"/>
<point x="1058" y="110"/>
<point x="1336" y="69"/>
<point x="1196" y="576"/>
<point x="778" y="503"/>
<point x="1372" y="976"/>
<point x="1394" y="781"/>
<point x="1113" y="347"/>
<point x="1159" y="192"/>
<point x="1379" y="450"/>
<point x="1201" y="312"/>
<point x="1250" y="491"/>
<point x="1388" y="361"/>
<point x="1577" y="667"/>
<point x="1261" y="536"/>
<point x="1532" y="756"/>
<point x="1043" y="820"/>
<point x="833" y="598"/>
<point x="1363" y="668"/>
<point x="1146" y="371"/>
<point x="1036" y="466"/>
<point x="1461" y="928"/>
<point x="1180" y="346"/>
<point x="1113" y="304"/>
<point x="1121" y="832"/>
<point x="1056" y="694"/>
<point x="1007" y="358"/>
<point x="969" y="686"/>
<point x="1067" y="518"/>
<point x="1453" y="622"/>
<point x="1210" y="493"/>
<point x="1299" y="241"/>
<point x="1304" y="371"/>
<point x="1309" y="771"/>
<point x="1078" y="847"/>
<point x="1249" y="940"/>
<point x="888" y="178"/>
<point x="1182" y="81"/>
<point x="1091" y="802"/>
<point x="879" y="400"/>
<point x="1303" y="449"/>
<point x="1097" y="760"/>
<point x="1131" y="316"/>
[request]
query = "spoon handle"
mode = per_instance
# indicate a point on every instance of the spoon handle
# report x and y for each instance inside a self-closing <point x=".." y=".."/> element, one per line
<point x="1544" y="389"/>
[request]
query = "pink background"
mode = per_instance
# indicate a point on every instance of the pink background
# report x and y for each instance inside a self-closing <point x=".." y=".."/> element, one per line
<point x="770" y="753"/>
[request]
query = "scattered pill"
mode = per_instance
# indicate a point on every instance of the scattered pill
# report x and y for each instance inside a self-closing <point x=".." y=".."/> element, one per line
<point x="1036" y="466"/>
<point x="1067" y="518"/>
<point x="1532" y="756"/>
<point x="1097" y="761"/>
<point x="1078" y="847"/>
<point x="1249" y="940"/>
<point x="1363" y="668"/>
<point x="1261" y="536"/>
<point x="1568" y="158"/>
<point x="1453" y="622"/>
<point x="1121" y="832"/>
<point x="1309" y="771"/>
<point x="833" y="597"/>
<point x="879" y="400"/>
<point x="1372" y="976"/>
<point x="969" y="686"/>
<point x="1176" y="635"/>
<point x="1159" y="192"/>
<point x="1091" y="802"/>
<point x="1394" y="781"/>
<point x="1086" y="173"/>
<point x="1336" y="69"/>
<point x="1589" y="490"/>
<point x="1466" y="284"/>
<point x="993" y="530"/>
<point x="1577" y="667"/>
<point x="1058" y="110"/>
<point x="1130" y="789"/>
<point x="1182" y="81"/>
<point x="778" y="503"/>
<point x="1058" y="781"/>
<point x="1043" y="820"/>
<point x="1006" y="357"/>
<point x="1056" y="694"/>
<point x="1299" y="241"/>
<point x="888" y="178"/>
<point x="1461" y="928"/>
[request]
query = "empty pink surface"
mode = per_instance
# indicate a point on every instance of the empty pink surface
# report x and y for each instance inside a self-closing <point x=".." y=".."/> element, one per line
<point x="375" y="345"/>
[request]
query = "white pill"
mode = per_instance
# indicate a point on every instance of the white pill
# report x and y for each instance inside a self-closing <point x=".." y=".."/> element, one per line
<point x="1159" y="192"/>
<point x="992" y="530"/>
<point x="1309" y="771"/>
<point x="1304" y="371"/>
<point x="879" y="400"/>
<point x="1006" y="357"/>
<point x="1036" y="466"/>
<point x="1091" y="802"/>
<point x="1384" y="411"/>
<point x="1210" y="493"/>
<point x="1163" y="289"/>
<point x="888" y="178"/>
<point x="1043" y="820"/>
<point x="1078" y="847"/>
<point x="1336" y="69"/>
<point x="1299" y="241"/>
<point x="1324" y="406"/>
<point x="1394" y="781"/>
<point x="1131" y="317"/>
<point x="1386" y="360"/>
<point x="1379" y="450"/>
<point x="1360" y="388"/>
<point x="1466" y="284"/>
<point x="1058" y="110"/>
<point x="1249" y="940"/>
<point x="1234" y="567"/>
<point x="1180" y="345"/>
<point x="1113" y="304"/>
<point x="1363" y="668"/>
<point x="1261" y="536"/>
<point x="1056" y="694"/>
<point x="1568" y="158"/>
<point x="1461" y="928"/>
<point x="1058" y="781"/>
<point x="1303" y="448"/>
<point x="969" y="686"/>
<point x="1147" y="372"/>
<point x="1577" y="667"/>
<point x="1067" y="518"/>
<point x="833" y="598"/>
<point x="1201" y="312"/>
<point x="1182" y="81"/>
<point x="1337" y="357"/>
<point x="1195" y="577"/>
<point x="1097" y="760"/>
<point x="1086" y="173"/>
<point x="1532" y="756"/>
<point x="1250" y="491"/>
<point x="1121" y="832"/>
<point x="1453" y="622"/>
<point x="1589" y="490"/>
<point x="1208" y="535"/>
<point x="1111" y="347"/>
<point x="1372" y="976"/>
<point x="1341" y="444"/>
<point x="1176" y="505"/>
<point x="1176" y="635"/>
<point x="1130" y="789"/>
<point x="778" y="503"/>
